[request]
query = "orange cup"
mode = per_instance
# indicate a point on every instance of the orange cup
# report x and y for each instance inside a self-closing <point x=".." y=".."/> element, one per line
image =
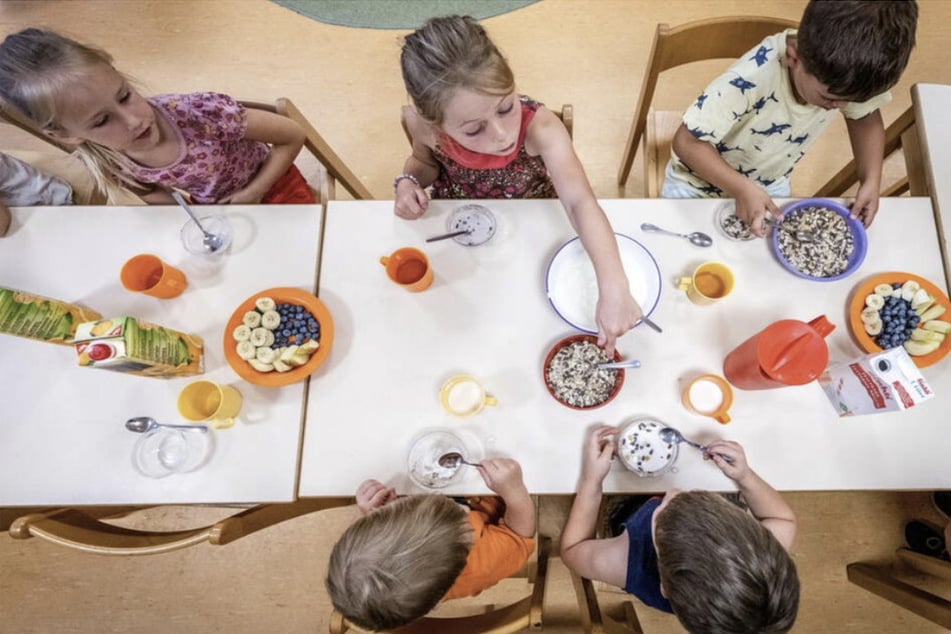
<point x="709" y="395"/>
<point x="409" y="268"/>
<point x="148" y="274"/>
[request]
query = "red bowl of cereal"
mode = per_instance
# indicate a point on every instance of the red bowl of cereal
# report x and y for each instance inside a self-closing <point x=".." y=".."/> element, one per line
<point x="572" y="377"/>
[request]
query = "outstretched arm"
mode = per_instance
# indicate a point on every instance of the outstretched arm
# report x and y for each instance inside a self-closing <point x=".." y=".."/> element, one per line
<point x="765" y="502"/>
<point x="617" y="311"/>
<point x="867" y="136"/>
<point x="752" y="201"/>
<point x="285" y="137"/>
<point x="601" y="559"/>
<point x="504" y="476"/>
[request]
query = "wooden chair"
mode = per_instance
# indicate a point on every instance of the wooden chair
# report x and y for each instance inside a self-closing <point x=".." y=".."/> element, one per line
<point x="726" y="37"/>
<point x="881" y="580"/>
<point x="901" y="134"/>
<point x="515" y="617"/>
<point x="597" y="623"/>
<point x="84" y="530"/>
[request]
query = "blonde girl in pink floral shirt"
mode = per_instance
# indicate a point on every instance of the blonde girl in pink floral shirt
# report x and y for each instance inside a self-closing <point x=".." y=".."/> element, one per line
<point x="205" y="144"/>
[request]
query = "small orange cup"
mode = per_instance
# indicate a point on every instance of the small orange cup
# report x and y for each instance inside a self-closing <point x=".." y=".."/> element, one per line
<point x="148" y="274"/>
<point x="709" y="395"/>
<point x="409" y="268"/>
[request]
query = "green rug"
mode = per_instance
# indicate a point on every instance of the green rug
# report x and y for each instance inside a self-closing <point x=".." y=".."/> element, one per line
<point x="396" y="14"/>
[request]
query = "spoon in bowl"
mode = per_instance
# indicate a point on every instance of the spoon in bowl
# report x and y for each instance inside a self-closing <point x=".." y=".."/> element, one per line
<point x="142" y="424"/>
<point x="620" y="365"/>
<point x="444" y="236"/>
<point x="453" y="459"/>
<point x="674" y="437"/>
<point x="210" y="241"/>
<point x="802" y="235"/>
<point x="696" y="238"/>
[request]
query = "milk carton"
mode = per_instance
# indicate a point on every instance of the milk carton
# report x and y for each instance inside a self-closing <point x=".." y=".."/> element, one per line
<point x="41" y="318"/>
<point x="127" y="344"/>
<point x="878" y="382"/>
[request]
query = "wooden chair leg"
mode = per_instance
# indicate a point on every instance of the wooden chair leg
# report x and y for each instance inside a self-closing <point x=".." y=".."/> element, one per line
<point x="879" y="581"/>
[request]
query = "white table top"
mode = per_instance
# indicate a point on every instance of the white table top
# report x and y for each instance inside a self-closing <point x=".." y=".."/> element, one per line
<point x="62" y="439"/>
<point x="487" y="315"/>
<point x="932" y="102"/>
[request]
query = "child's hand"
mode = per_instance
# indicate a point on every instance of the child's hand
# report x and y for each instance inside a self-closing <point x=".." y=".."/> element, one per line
<point x="598" y="454"/>
<point x="616" y="313"/>
<point x="752" y="206"/>
<point x="411" y="200"/>
<point x="504" y="476"/>
<point x="865" y="205"/>
<point x="729" y="457"/>
<point x="372" y="495"/>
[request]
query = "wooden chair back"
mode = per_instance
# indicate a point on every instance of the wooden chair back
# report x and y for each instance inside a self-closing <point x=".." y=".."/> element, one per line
<point x="515" y="617"/>
<point x="332" y="167"/>
<point x="85" y="530"/>
<point x="715" y="38"/>
<point x="901" y="134"/>
<point x="881" y="580"/>
<point x="595" y="622"/>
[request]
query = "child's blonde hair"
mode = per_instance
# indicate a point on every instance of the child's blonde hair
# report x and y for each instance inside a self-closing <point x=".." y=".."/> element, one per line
<point x="36" y="69"/>
<point x="395" y="565"/>
<point x="721" y="569"/>
<point x="449" y="53"/>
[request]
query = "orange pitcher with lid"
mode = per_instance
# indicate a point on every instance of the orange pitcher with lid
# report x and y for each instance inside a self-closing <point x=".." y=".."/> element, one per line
<point x="787" y="352"/>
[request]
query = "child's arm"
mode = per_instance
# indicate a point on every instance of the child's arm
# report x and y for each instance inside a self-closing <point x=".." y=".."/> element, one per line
<point x="285" y="137"/>
<point x="765" y="502"/>
<point x="371" y="495"/>
<point x="867" y="136"/>
<point x="752" y="201"/>
<point x="4" y="220"/>
<point x="601" y="559"/>
<point x="411" y="199"/>
<point x="504" y="476"/>
<point x="617" y="311"/>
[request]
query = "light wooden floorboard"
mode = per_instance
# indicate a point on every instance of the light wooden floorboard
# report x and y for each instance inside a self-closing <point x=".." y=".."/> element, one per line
<point x="590" y="53"/>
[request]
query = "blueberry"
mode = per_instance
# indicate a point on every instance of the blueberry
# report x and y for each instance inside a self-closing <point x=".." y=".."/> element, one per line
<point x="896" y="285"/>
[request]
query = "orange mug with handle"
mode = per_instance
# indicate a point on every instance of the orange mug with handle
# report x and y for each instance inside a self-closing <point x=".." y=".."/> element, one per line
<point x="207" y="400"/>
<point x="709" y="395"/>
<point x="409" y="268"/>
<point x="147" y="273"/>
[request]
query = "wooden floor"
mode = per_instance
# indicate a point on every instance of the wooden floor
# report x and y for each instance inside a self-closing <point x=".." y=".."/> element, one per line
<point x="590" y="53"/>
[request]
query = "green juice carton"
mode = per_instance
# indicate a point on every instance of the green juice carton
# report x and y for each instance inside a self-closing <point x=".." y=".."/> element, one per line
<point x="35" y="317"/>
<point x="127" y="344"/>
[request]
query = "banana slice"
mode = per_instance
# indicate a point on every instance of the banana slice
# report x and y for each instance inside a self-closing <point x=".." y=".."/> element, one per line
<point x="920" y="348"/>
<point x="309" y="347"/>
<point x="265" y="355"/>
<point x="288" y="352"/>
<point x="935" y="311"/>
<point x="246" y="349"/>
<point x="874" y="328"/>
<point x="270" y="320"/>
<point x="870" y="315"/>
<point x="921" y="298"/>
<point x="252" y="319"/>
<point x="908" y="289"/>
<point x="241" y="333"/>
<point x="261" y="337"/>
<point x="265" y="304"/>
<point x="280" y="366"/>
<point x="875" y="301"/>
<point x="937" y="325"/>
<point x="259" y="366"/>
<point x="885" y="290"/>
<point x="920" y="334"/>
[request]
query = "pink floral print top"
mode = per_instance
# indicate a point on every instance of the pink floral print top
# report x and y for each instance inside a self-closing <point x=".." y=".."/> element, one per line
<point x="215" y="159"/>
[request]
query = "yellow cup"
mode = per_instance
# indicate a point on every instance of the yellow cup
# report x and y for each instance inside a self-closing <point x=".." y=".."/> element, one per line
<point x="709" y="395"/>
<point x="206" y="400"/>
<point x="464" y="396"/>
<point x="710" y="282"/>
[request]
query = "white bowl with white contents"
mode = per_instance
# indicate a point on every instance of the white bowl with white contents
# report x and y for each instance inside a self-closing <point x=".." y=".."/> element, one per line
<point x="642" y="450"/>
<point x="572" y="286"/>
<point x="423" y="461"/>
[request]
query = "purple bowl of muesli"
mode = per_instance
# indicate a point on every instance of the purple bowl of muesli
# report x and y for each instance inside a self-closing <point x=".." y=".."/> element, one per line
<point x="572" y="377"/>
<point x="840" y="244"/>
<point x="642" y="450"/>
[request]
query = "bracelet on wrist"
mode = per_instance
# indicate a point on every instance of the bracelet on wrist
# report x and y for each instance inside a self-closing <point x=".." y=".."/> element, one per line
<point x="396" y="181"/>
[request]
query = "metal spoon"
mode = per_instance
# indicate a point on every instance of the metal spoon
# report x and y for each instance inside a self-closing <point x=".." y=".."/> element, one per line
<point x="463" y="232"/>
<point x="142" y="424"/>
<point x="802" y="235"/>
<point x="696" y="238"/>
<point x="620" y="365"/>
<point x="453" y="459"/>
<point x="673" y="436"/>
<point x="651" y="324"/>
<point x="210" y="241"/>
